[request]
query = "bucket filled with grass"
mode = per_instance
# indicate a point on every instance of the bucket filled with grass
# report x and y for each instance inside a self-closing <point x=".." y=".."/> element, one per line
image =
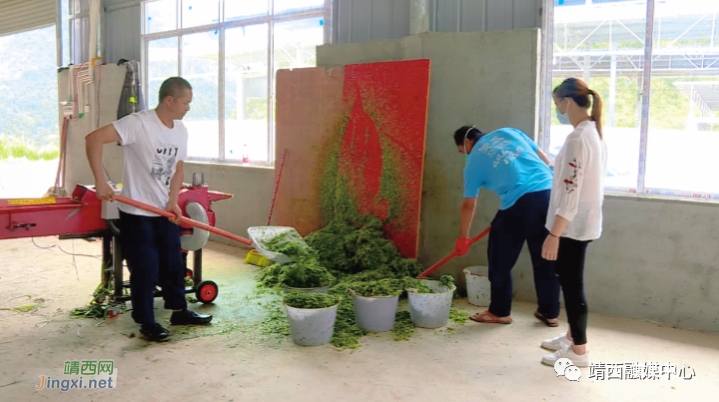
<point x="375" y="303"/>
<point x="311" y="316"/>
<point x="430" y="301"/>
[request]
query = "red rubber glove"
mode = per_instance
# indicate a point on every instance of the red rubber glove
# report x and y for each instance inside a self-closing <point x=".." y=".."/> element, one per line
<point x="461" y="247"/>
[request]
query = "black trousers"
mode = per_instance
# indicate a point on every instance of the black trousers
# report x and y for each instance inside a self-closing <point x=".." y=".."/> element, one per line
<point x="151" y="247"/>
<point x="570" y="270"/>
<point x="523" y="221"/>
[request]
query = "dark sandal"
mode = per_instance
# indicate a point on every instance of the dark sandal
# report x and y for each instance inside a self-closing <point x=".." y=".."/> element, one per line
<point x="493" y="319"/>
<point x="545" y="320"/>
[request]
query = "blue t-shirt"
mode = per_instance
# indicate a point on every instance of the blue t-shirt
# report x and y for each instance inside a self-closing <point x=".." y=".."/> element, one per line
<point x="505" y="161"/>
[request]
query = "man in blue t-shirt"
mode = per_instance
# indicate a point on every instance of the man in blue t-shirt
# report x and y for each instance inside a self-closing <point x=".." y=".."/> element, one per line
<point x="509" y="163"/>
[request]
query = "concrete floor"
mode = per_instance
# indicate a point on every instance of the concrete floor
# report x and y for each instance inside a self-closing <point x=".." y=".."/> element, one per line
<point x="231" y="361"/>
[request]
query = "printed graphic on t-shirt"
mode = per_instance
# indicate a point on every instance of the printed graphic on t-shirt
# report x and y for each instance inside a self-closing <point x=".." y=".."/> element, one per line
<point x="162" y="165"/>
<point x="503" y="147"/>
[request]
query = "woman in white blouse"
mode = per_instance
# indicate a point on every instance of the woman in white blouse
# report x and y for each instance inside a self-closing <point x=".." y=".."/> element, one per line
<point x="575" y="211"/>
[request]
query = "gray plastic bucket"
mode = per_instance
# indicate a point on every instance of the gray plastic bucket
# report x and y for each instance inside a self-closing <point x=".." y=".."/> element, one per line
<point x="375" y="314"/>
<point x="430" y="310"/>
<point x="311" y="327"/>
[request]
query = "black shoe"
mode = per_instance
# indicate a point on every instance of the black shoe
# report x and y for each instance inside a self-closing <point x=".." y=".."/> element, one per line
<point x="154" y="332"/>
<point x="189" y="317"/>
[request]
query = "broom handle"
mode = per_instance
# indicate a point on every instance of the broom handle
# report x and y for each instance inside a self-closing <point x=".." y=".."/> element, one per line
<point x="453" y="254"/>
<point x="183" y="220"/>
<point x="277" y="186"/>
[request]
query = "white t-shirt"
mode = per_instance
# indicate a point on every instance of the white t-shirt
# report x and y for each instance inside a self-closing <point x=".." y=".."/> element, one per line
<point x="152" y="151"/>
<point x="578" y="186"/>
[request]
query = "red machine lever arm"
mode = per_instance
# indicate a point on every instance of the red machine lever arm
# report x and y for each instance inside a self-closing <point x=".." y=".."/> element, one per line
<point x="183" y="220"/>
<point x="452" y="254"/>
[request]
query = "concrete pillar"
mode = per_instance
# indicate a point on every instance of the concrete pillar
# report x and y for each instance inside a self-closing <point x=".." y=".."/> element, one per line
<point x="418" y="16"/>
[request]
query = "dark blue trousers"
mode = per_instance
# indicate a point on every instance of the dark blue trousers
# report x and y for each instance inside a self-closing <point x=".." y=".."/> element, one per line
<point x="523" y="221"/>
<point x="151" y="247"/>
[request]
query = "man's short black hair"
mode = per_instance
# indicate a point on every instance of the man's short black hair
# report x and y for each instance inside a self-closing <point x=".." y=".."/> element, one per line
<point x="173" y="86"/>
<point x="472" y="133"/>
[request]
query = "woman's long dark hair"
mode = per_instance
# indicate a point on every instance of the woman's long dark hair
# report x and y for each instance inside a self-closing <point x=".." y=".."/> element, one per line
<point x="579" y="91"/>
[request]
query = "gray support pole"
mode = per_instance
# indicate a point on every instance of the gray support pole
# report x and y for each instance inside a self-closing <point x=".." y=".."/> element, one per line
<point x="418" y="16"/>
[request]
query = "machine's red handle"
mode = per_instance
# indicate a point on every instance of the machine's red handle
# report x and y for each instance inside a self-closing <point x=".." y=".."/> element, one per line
<point x="183" y="220"/>
<point x="453" y="254"/>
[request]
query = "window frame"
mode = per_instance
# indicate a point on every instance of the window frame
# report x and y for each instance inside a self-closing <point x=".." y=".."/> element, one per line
<point x="324" y="12"/>
<point x="546" y="106"/>
<point x="67" y="44"/>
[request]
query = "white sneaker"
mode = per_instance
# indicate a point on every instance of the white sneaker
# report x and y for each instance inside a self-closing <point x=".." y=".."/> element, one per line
<point x="556" y="343"/>
<point x="566" y="353"/>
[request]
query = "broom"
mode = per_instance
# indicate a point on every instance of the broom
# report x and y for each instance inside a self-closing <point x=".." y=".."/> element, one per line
<point x="254" y="257"/>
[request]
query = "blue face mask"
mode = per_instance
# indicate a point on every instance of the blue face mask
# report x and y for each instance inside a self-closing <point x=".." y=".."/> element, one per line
<point x="563" y="117"/>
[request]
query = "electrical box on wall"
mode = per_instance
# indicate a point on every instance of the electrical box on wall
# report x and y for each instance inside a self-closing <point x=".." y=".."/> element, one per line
<point x="68" y="108"/>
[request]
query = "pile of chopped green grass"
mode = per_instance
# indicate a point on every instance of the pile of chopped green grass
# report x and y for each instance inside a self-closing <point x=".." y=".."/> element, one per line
<point x="329" y="242"/>
<point x="347" y="333"/>
<point x="306" y="300"/>
<point x="346" y="250"/>
<point x="404" y="328"/>
<point x="360" y="259"/>
<point x="446" y="282"/>
<point x="304" y="272"/>
<point x="275" y="323"/>
<point x="341" y="251"/>
<point x="458" y="317"/>
<point x="380" y="288"/>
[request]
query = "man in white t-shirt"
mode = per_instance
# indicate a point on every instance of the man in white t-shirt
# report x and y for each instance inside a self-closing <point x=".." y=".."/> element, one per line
<point x="155" y="144"/>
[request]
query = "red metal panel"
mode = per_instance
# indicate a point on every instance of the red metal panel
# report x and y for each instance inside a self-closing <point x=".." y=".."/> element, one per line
<point x="382" y="152"/>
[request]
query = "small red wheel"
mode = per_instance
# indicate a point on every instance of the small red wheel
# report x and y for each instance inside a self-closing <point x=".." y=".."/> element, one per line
<point x="189" y="274"/>
<point x="206" y="292"/>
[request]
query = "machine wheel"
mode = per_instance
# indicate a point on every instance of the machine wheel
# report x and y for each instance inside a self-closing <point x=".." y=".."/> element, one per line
<point x="206" y="292"/>
<point x="189" y="273"/>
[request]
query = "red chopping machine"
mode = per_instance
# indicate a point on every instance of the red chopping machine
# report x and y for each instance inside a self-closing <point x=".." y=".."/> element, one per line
<point x="84" y="216"/>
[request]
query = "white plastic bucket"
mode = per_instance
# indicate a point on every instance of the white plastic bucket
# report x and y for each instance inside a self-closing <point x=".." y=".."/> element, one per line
<point x="478" y="287"/>
<point x="375" y="314"/>
<point x="431" y="310"/>
<point x="311" y="327"/>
